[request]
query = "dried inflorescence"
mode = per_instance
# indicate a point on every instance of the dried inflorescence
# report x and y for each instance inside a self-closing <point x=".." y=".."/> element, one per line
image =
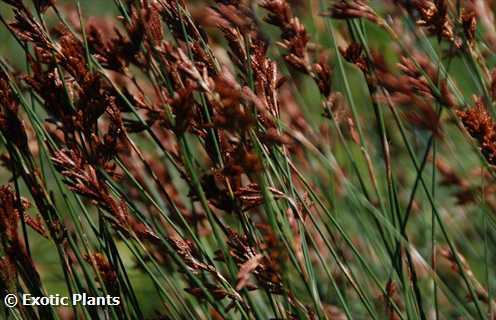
<point x="481" y="126"/>
<point x="16" y="259"/>
<point x="190" y="255"/>
<point x="9" y="218"/>
<point x="418" y="88"/>
<point x="343" y="9"/>
<point x="469" y="23"/>
<point x="297" y="42"/>
<point x="354" y="54"/>
<point x="41" y="5"/>
<point x="294" y="36"/>
<point x="84" y="179"/>
<point x="262" y="267"/>
<point x="467" y="191"/>
<point x="434" y="16"/>
<point x="10" y="123"/>
<point x="105" y="269"/>
<point x="26" y="28"/>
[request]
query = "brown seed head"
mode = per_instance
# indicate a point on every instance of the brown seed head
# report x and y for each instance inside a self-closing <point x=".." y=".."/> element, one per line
<point x="481" y="127"/>
<point x="352" y="10"/>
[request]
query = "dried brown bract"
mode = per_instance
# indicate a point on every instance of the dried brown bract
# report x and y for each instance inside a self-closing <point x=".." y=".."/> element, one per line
<point x="84" y="179"/>
<point x="217" y="292"/>
<point x="36" y="223"/>
<point x="8" y="273"/>
<point x="297" y="42"/>
<point x="353" y="9"/>
<point x="354" y="54"/>
<point x="11" y="125"/>
<point x="105" y="269"/>
<point x="28" y="29"/>
<point x="186" y="250"/>
<point x="251" y="261"/>
<point x="414" y="90"/>
<point x="481" y="127"/>
<point x="150" y="16"/>
<point x="72" y="56"/>
<point x="15" y="256"/>
<point x="465" y="193"/>
<point x="322" y="73"/>
<point x="236" y="15"/>
<point x="9" y="217"/>
<point x="43" y="5"/>
<point x="294" y="36"/>
<point x="178" y="22"/>
<point x="469" y="23"/>
<point x="435" y="17"/>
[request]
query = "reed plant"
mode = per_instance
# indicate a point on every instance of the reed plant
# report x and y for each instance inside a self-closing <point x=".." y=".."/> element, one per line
<point x="231" y="159"/>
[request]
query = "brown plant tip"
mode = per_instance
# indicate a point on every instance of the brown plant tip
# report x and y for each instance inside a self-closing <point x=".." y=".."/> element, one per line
<point x="105" y="269"/>
<point x="217" y="292"/>
<point x="9" y="216"/>
<point x="352" y="10"/>
<point x="36" y="223"/>
<point x="294" y="36"/>
<point x="414" y="90"/>
<point x="435" y="17"/>
<point x="469" y="23"/>
<point x="354" y="54"/>
<point x="190" y="256"/>
<point x="481" y="127"/>
<point x="322" y="73"/>
<point x="465" y="193"/>
<point x="252" y="262"/>
<point x="43" y="5"/>
<point x="296" y="41"/>
<point x="8" y="272"/>
<point x="28" y="29"/>
<point x="10" y="124"/>
<point x="11" y="209"/>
